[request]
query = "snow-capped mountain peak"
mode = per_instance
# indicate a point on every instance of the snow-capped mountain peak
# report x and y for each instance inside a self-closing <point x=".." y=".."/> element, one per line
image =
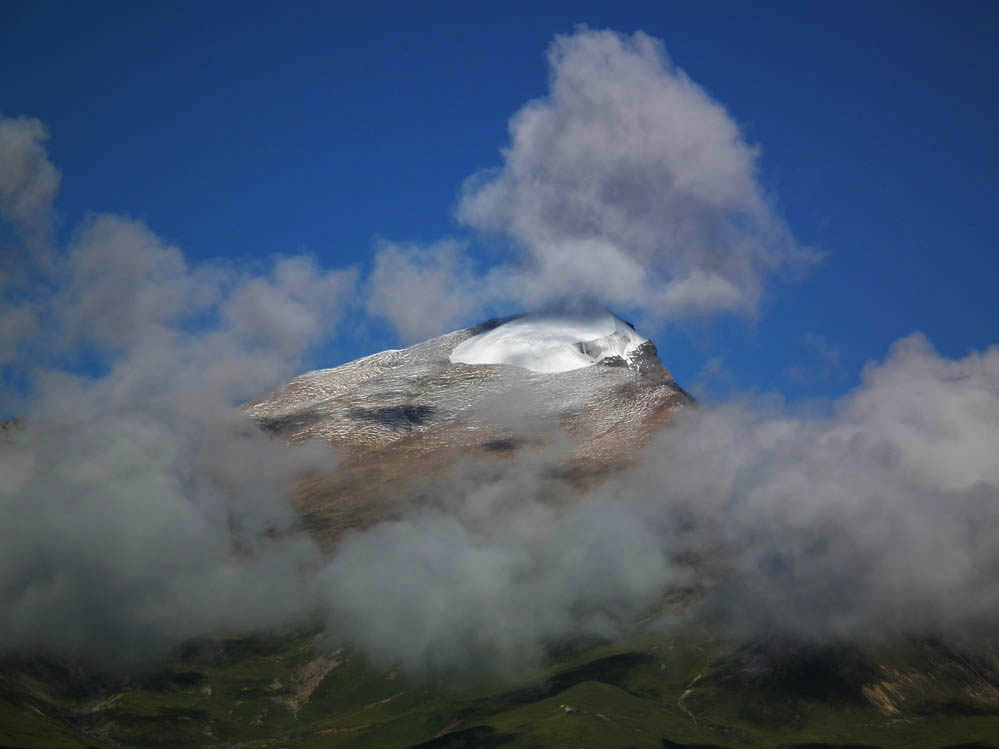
<point x="552" y="342"/>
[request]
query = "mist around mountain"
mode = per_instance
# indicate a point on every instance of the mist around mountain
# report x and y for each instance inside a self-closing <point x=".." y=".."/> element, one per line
<point x="137" y="516"/>
<point x="728" y="576"/>
<point x="177" y="569"/>
<point x="519" y="533"/>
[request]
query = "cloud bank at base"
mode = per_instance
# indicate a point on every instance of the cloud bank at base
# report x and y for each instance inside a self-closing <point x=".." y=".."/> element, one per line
<point x="877" y="522"/>
<point x="139" y="506"/>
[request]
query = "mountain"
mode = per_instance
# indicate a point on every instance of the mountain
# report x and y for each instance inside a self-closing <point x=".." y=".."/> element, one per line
<point x="491" y="391"/>
<point x="594" y="375"/>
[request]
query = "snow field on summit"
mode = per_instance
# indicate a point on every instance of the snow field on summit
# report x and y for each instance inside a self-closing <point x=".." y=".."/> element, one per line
<point x="551" y="342"/>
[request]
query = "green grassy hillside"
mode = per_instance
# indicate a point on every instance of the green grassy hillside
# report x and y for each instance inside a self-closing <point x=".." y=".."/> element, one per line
<point x="686" y="690"/>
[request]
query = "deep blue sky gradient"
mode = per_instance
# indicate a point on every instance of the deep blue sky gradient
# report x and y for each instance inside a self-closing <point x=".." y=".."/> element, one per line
<point x="244" y="129"/>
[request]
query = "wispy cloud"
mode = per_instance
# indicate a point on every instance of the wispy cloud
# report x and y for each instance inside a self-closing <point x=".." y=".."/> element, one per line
<point x="827" y="351"/>
<point x="825" y="363"/>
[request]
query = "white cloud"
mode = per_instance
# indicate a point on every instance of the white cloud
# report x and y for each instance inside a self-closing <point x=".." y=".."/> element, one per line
<point x="28" y="185"/>
<point x="877" y="521"/>
<point x="120" y="280"/>
<point x="17" y="322"/>
<point x="701" y="292"/>
<point x="28" y="180"/>
<point x="296" y="306"/>
<point x="139" y="505"/>
<point x="942" y="414"/>
<point x="425" y="291"/>
<point x="630" y="183"/>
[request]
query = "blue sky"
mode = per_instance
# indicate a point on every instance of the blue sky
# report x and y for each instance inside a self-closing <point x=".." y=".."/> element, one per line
<point x="245" y="130"/>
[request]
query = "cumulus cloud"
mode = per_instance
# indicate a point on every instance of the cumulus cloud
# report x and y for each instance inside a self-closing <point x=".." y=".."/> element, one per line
<point x="28" y="180"/>
<point x="492" y="564"/>
<point x="139" y="506"/>
<point x="629" y="182"/>
<point x="28" y="185"/>
<point x="875" y="522"/>
<point x="439" y="596"/>
<point x="121" y="281"/>
<point x="17" y="322"/>
<point x="294" y="307"/>
<point x="425" y="291"/>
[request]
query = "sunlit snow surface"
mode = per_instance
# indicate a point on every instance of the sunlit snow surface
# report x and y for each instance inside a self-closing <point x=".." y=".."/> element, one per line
<point x="551" y="343"/>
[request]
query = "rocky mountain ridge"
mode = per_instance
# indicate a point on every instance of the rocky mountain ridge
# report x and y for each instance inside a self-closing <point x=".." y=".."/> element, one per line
<point x="402" y="415"/>
<point x="393" y="395"/>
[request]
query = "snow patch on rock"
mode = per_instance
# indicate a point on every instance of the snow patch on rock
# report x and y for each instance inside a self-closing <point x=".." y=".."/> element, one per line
<point x="551" y="342"/>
